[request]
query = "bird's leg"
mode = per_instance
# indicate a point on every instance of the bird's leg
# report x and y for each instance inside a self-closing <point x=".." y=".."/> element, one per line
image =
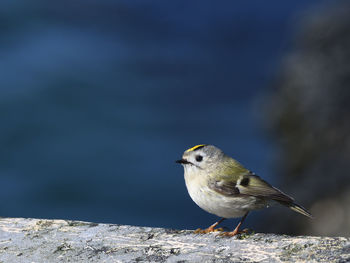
<point x="211" y="228"/>
<point x="236" y="231"/>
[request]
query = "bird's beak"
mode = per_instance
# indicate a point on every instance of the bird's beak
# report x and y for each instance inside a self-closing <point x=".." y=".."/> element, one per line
<point x="182" y="161"/>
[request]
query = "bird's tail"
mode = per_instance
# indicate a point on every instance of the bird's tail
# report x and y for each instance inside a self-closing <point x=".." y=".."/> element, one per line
<point x="298" y="208"/>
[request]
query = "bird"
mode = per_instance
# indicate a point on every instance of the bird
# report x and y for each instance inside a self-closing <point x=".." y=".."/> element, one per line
<point x="222" y="186"/>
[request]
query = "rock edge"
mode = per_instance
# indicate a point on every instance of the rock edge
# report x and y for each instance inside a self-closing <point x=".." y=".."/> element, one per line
<point x="38" y="240"/>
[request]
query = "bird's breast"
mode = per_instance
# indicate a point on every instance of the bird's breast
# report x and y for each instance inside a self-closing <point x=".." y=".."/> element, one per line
<point x="216" y="203"/>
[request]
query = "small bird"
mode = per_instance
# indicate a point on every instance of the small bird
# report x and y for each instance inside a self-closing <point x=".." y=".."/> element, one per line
<point x="222" y="186"/>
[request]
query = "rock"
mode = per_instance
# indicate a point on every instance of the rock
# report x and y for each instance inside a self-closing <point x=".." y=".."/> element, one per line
<point x="37" y="240"/>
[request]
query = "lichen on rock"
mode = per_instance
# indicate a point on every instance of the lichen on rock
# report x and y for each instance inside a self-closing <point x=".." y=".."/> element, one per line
<point x="34" y="240"/>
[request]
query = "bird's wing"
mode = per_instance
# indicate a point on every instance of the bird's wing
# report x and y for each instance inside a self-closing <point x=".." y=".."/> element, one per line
<point x="250" y="184"/>
<point x="243" y="182"/>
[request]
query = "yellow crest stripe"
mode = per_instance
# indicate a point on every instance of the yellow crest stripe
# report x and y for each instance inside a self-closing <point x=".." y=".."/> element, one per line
<point x="195" y="147"/>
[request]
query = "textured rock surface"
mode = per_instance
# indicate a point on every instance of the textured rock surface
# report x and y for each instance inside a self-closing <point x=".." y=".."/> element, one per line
<point x="34" y="240"/>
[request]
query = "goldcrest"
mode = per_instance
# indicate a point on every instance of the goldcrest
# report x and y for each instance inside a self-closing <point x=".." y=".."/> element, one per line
<point x="222" y="186"/>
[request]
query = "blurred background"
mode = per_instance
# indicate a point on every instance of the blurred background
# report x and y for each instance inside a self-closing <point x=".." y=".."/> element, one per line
<point x="99" y="98"/>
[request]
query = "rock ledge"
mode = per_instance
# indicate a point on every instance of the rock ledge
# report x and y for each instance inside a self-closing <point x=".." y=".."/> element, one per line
<point x="35" y="240"/>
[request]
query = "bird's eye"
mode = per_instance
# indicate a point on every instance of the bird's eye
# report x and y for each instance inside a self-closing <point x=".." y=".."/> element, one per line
<point x="199" y="158"/>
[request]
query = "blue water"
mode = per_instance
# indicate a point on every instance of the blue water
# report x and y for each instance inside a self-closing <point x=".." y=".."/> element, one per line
<point x="99" y="98"/>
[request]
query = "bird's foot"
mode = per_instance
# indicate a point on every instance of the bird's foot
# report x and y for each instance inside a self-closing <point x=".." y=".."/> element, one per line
<point x="234" y="233"/>
<point x="208" y="230"/>
<point x="211" y="228"/>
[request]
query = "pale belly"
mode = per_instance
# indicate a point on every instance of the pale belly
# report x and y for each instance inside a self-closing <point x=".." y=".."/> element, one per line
<point x="220" y="205"/>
